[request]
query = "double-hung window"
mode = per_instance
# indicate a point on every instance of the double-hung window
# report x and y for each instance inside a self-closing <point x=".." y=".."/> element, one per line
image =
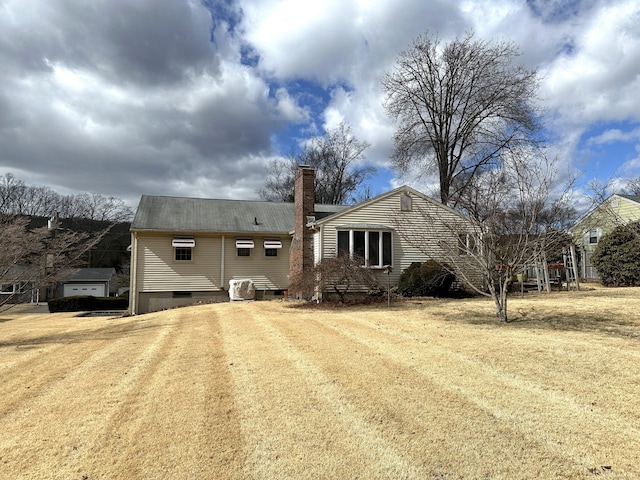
<point x="372" y="246"/>
<point x="183" y="248"/>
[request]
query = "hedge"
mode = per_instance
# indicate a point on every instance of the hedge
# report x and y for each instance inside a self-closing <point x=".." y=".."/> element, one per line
<point x="83" y="303"/>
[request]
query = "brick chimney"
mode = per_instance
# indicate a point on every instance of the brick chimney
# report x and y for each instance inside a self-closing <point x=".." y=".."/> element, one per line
<point x="301" y="257"/>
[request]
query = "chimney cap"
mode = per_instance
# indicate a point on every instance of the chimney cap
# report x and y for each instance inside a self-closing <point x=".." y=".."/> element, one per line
<point x="304" y="166"/>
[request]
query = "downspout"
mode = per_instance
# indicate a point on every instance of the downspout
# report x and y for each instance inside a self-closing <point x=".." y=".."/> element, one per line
<point x="133" y="272"/>
<point x="222" y="264"/>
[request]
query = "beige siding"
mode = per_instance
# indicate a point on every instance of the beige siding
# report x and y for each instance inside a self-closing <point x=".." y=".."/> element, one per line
<point x="615" y="211"/>
<point x="424" y="228"/>
<point x="158" y="271"/>
<point x="267" y="273"/>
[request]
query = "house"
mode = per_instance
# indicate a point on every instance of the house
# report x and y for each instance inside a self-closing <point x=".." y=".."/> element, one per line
<point x="587" y="232"/>
<point x="98" y="282"/>
<point x="19" y="284"/>
<point x="187" y="250"/>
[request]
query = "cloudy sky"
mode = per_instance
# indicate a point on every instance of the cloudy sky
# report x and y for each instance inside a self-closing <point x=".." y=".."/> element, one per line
<point x="195" y="97"/>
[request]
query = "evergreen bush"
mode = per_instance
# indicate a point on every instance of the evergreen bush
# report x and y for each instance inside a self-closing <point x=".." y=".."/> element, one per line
<point x="428" y="279"/>
<point x="617" y="256"/>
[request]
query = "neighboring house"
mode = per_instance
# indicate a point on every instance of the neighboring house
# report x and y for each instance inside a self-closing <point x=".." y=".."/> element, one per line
<point x="186" y="250"/>
<point x="97" y="282"/>
<point x="23" y="284"/>
<point x="587" y="232"/>
<point x="19" y="284"/>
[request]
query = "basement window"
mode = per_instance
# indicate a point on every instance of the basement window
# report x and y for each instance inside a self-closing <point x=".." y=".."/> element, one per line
<point x="181" y="294"/>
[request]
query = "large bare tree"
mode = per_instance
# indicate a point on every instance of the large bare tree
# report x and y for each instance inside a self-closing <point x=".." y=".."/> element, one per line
<point x="510" y="224"/>
<point x="460" y="106"/>
<point x="336" y="158"/>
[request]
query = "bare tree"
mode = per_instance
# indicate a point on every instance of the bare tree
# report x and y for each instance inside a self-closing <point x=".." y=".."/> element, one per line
<point x="505" y="228"/>
<point x="11" y="189"/>
<point x="16" y="198"/>
<point x="336" y="158"/>
<point x="460" y="106"/>
<point x="633" y="186"/>
<point x="336" y="276"/>
<point x="33" y="258"/>
<point x="280" y="182"/>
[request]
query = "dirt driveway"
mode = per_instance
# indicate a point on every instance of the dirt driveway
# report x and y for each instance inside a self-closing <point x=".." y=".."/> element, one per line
<point x="260" y="391"/>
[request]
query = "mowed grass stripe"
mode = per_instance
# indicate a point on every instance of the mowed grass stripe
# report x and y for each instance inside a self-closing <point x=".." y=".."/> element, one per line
<point x="35" y="354"/>
<point x="296" y="421"/>
<point x="579" y="432"/>
<point x="178" y="421"/>
<point x="443" y="430"/>
<point x="570" y="365"/>
<point x="56" y="430"/>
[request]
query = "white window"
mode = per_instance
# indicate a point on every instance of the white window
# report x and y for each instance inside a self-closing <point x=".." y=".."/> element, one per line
<point x="183" y="248"/>
<point x="244" y="246"/>
<point x="592" y="237"/>
<point x="467" y="244"/>
<point x="271" y="248"/>
<point x="373" y="246"/>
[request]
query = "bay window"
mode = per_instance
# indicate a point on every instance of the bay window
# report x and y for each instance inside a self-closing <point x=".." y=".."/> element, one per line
<point x="373" y="246"/>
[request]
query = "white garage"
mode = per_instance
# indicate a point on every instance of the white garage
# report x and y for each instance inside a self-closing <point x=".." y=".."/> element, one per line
<point x="97" y="282"/>
<point x="84" y="289"/>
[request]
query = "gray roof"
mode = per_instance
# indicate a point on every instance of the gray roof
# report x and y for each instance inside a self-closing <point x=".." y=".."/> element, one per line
<point x="180" y="214"/>
<point x="633" y="198"/>
<point x="90" y="275"/>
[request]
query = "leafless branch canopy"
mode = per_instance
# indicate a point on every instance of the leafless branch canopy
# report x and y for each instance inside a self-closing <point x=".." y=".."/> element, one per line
<point x="460" y="106"/>
<point x="336" y="158"/>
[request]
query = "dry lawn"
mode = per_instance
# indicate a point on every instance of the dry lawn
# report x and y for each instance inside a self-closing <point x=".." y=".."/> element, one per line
<point x="434" y="389"/>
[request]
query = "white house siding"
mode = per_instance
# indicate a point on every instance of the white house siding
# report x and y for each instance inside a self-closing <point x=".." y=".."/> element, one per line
<point x="157" y="271"/>
<point x="428" y="223"/>
<point x="267" y="273"/>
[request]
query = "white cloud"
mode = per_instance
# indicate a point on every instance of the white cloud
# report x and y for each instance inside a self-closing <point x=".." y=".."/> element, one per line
<point x="129" y="97"/>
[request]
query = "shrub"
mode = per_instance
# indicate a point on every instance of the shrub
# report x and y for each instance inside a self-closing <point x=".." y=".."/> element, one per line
<point x="83" y="303"/>
<point x="338" y="277"/>
<point x="430" y="278"/>
<point x="617" y="256"/>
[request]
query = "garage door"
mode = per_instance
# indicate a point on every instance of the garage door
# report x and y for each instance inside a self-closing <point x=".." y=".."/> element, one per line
<point x="84" y="289"/>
